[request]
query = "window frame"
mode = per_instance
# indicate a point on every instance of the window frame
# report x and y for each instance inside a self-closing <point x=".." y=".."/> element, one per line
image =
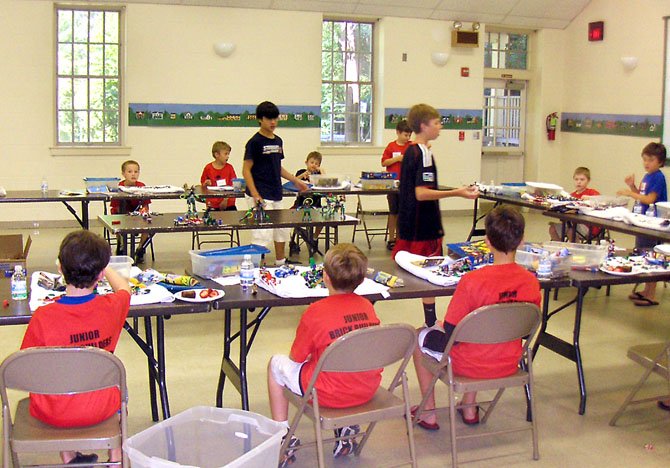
<point x="520" y="86"/>
<point x="371" y="83"/>
<point x="61" y="148"/>
<point x="500" y="30"/>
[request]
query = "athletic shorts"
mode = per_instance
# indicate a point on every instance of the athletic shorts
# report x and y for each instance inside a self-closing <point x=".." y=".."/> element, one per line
<point x="394" y="203"/>
<point x="426" y="248"/>
<point x="265" y="236"/>
<point x="286" y="372"/>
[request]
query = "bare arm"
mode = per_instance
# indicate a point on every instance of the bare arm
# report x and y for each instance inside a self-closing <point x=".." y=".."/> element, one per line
<point x="246" y="173"/>
<point x="298" y="183"/>
<point x="116" y="281"/>
<point x="647" y="199"/>
<point x="389" y="161"/>
<point x="426" y="194"/>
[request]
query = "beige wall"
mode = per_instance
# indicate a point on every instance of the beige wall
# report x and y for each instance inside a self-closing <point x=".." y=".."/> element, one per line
<point x="169" y="58"/>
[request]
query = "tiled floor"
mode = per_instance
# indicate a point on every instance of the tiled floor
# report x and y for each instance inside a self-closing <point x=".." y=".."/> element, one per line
<point x="611" y="324"/>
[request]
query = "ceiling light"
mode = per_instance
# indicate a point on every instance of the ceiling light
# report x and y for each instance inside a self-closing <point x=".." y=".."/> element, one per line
<point x="475" y="26"/>
<point x="457" y="25"/>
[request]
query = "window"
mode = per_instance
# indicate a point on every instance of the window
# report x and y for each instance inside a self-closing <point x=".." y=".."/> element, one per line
<point x="504" y="115"/>
<point x="506" y="50"/>
<point x="346" y="82"/>
<point x="88" y="76"/>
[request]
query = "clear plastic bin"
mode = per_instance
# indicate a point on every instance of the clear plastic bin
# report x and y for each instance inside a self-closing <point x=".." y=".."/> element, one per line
<point x="560" y="266"/>
<point x="663" y="210"/>
<point x="224" y="262"/>
<point x="378" y="184"/>
<point x="325" y="180"/>
<point x="102" y="184"/>
<point x="208" y="437"/>
<point x="122" y="264"/>
<point x="584" y="256"/>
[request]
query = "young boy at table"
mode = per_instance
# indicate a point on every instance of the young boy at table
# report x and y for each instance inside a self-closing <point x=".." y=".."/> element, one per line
<point x="344" y="268"/>
<point x="219" y="172"/>
<point x="581" y="177"/>
<point x="419" y="218"/>
<point x="312" y="167"/>
<point x="81" y="318"/>
<point x="130" y="170"/>
<point x="504" y="281"/>
<point x="652" y="189"/>
<point x="263" y="172"/>
<point x="392" y="161"/>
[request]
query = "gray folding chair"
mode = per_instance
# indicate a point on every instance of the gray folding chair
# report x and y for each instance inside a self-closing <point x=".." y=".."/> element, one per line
<point x="498" y="323"/>
<point x="60" y="371"/>
<point x="370" y="232"/>
<point x="358" y="351"/>
<point x="654" y="358"/>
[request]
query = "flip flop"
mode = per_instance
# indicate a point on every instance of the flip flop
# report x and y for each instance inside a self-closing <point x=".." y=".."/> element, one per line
<point x="645" y="302"/>
<point x="636" y="296"/>
<point x="664" y="406"/>
<point x="424" y="424"/>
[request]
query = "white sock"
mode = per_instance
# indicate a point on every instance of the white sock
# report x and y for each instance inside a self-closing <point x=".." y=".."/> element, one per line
<point x="280" y="262"/>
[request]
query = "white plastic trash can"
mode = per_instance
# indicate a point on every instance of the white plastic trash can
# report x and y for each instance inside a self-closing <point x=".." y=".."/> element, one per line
<point x="208" y="437"/>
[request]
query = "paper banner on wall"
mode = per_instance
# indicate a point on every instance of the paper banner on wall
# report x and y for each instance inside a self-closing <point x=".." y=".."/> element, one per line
<point x="452" y="119"/>
<point x="212" y="115"/>
<point x="647" y="126"/>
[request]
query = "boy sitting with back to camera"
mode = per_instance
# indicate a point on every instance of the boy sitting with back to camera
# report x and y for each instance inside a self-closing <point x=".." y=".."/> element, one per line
<point x="344" y="268"/>
<point x="218" y="172"/>
<point x="81" y="318"/>
<point x="504" y="281"/>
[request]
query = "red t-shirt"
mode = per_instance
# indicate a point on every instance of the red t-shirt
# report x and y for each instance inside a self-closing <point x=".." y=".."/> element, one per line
<point x="72" y="321"/>
<point x="128" y="205"/>
<point x="392" y="150"/>
<point x="322" y="323"/>
<point x="492" y="284"/>
<point x="227" y="174"/>
<point x="588" y="192"/>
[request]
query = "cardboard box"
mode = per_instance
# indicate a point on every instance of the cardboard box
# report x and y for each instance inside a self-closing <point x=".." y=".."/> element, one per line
<point x="13" y="252"/>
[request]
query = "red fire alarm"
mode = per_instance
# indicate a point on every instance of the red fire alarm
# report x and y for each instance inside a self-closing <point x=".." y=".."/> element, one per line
<point x="461" y="136"/>
<point x="596" y="31"/>
<point x="465" y="71"/>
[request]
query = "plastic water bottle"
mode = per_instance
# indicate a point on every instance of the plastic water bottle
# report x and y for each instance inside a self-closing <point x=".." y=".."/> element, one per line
<point x="544" y="268"/>
<point x="18" y="285"/>
<point x="44" y="186"/>
<point x="637" y="207"/>
<point x="246" y="273"/>
<point x="651" y="211"/>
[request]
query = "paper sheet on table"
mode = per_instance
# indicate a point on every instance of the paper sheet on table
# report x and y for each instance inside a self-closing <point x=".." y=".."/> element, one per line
<point x="617" y="213"/>
<point x="294" y="286"/>
<point x="227" y="280"/>
<point x="220" y="188"/>
<point x="149" y="189"/>
<point x="404" y="260"/>
<point x="40" y="296"/>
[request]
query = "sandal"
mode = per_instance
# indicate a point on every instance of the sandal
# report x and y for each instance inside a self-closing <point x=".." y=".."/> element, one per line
<point x="424" y="424"/>
<point x="663" y="405"/>
<point x="645" y="302"/>
<point x="635" y="296"/>
<point x="470" y="422"/>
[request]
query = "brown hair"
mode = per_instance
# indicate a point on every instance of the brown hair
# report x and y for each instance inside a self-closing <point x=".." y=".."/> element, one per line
<point x="504" y="228"/>
<point x="421" y="114"/>
<point x="583" y="171"/>
<point x="128" y="163"/>
<point x="219" y="146"/>
<point x="403" y="127"/>
<point x="314" y="155"/>
<point x="82" y="256"/>
<point x="346" y="266"/>
<point x="656" y="150"/>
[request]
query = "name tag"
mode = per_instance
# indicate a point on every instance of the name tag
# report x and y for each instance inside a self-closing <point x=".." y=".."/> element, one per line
<point x="396" y="154"/>
<point x="428" y="176"/>
<point x="221" y="182"/>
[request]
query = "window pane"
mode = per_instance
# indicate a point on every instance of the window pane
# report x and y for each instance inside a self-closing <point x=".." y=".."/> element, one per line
<point x="326" y="98"/>
<point x="111" y="26"/>
<point x="64" y="59"/>
<point x="326" y="66"/>
<point x="111" y="60"/>
<point x="366" y="128"/>
<point x="353" y="97"/>
<point x="339" y="97"/>
<point x="80" y="97"/>
<point x="64" y="93"/>
<point x="65" y="127"/>
<point x="95" y="60"/>
<point x="338" y="127"/>
<point x="97" y="127"/>
<point x="97" y="92"/>
<point x="65" y="26"/>
<point x="365" y="43"/>
<point x="80" y="126"/>
<point x="327" y="36"/>
<point x="365" y="64"/>
<point x="96" y="25"/>
<point x="351" y="37"/>
<point x="81" y="26"/>
<point x="80" y="59"/>
<point x="111" y="127"/>
<point x="338" y="66"/>
<point x="339" y="36"/>
<point x="366" y="98"/>
<point x="112" y="95"/>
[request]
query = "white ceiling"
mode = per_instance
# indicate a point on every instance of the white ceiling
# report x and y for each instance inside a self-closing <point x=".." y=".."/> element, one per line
<point x="533" y="14"/>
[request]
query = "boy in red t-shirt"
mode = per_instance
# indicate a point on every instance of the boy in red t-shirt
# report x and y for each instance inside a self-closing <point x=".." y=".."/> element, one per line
<point x="392" y="161"/>
<point x="81" y="318"/>
<point x="581" y="177"/>
<point x="219" y="172"/>
<point x="131" y="172"/>
<point x="344" y="268"/>
<point x="504" y="281"/>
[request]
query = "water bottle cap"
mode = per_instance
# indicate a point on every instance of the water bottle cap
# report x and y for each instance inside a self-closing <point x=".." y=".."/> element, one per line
<point x="18" y="268"/>
<point x="247" y="257"/>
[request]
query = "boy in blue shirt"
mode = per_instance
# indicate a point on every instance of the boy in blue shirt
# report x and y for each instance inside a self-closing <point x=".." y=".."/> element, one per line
<point x="652" y="189"/>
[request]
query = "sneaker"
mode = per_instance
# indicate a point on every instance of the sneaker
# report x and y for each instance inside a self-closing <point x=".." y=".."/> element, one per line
<point x="83" y="458"/>
<point x="289" y="456"/>
<point x="139" y="255"/>
<point x="345" y="447"/>
<point x="390" y="245"/>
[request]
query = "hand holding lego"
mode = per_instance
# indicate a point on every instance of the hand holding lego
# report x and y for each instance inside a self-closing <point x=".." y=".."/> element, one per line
<point x="470" y="192"/>
<point x="301" y="185"/>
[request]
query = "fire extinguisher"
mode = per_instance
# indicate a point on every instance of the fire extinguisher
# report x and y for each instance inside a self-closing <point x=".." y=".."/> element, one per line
<point x="552" y="121"/>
